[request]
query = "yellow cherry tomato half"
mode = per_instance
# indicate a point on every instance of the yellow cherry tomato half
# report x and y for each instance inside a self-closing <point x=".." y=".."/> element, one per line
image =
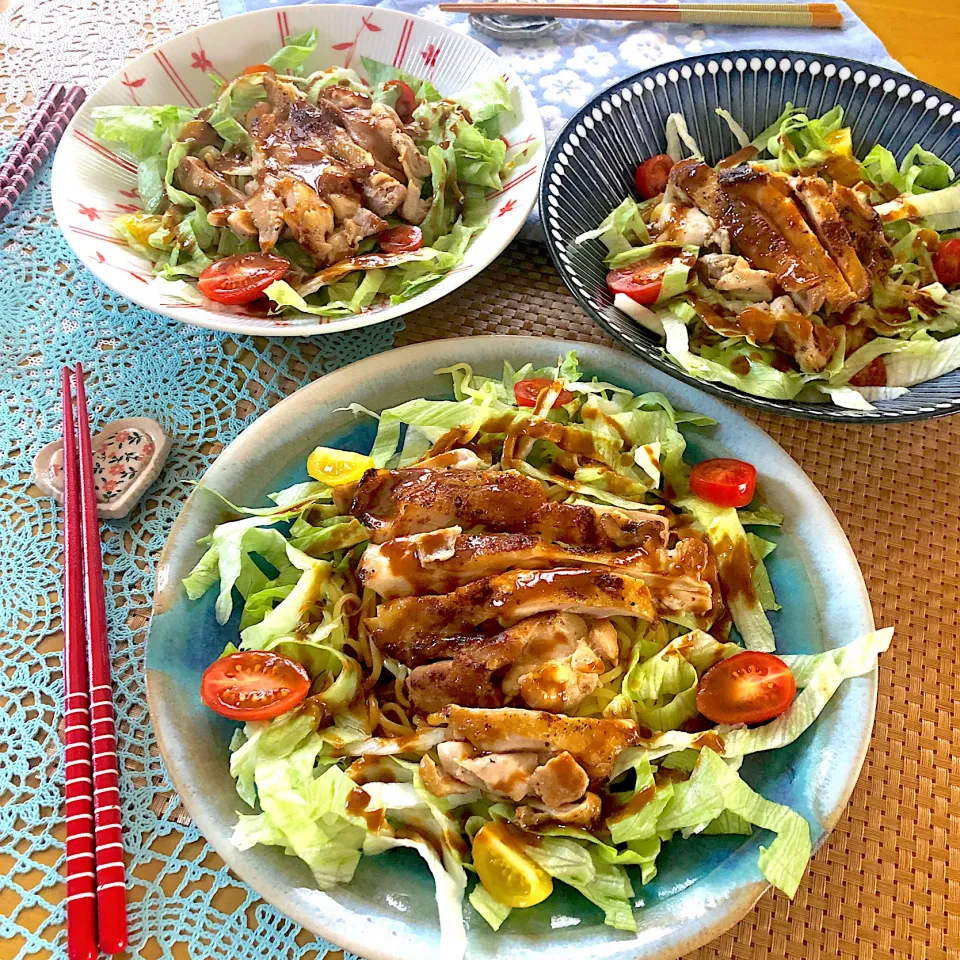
<point x="336" y="467"/>
<point x="510" y="876"/>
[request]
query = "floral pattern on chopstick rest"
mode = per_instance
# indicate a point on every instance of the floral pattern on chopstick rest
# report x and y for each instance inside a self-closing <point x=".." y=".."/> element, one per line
<point x="128" y="455"/>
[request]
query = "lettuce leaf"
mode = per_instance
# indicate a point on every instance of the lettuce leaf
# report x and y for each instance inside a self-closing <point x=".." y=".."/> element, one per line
<point x="141" y="130"/>
<point x="581" y="867"/>
<point x="307" y="813"/>
<point x="759" y="549"/>
<point x="621" y="229"/>
<point x="228" y="559"/>
<point x="728" y="538"/>
<point x="714" y="788"/>
<point x="493" y="911"/>
<point x="294" y="53"/>
<point x="478" y="157"/>
<point x="486" y="99"/>
<point x="762" y="380"/>
<point x="284" y="619"/>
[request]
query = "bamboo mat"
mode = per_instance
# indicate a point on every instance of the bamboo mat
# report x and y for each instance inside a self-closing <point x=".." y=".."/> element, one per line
<point x="886" y="884"/>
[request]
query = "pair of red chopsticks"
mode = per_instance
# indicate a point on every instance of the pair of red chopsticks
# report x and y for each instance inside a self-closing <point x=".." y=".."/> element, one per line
<point x="47" y="123"/>
<point x="96" y="901"/>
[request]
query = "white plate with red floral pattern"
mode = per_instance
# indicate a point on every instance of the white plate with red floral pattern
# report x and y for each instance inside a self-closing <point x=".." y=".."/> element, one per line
<point x="92" y="183"/>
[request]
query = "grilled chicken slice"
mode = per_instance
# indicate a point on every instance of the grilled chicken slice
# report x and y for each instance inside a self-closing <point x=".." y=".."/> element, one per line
<point x="865" y="229"/>
<point x="558" y="679"/>
<point x="397" y="503"/>
<point x="266" y="211"/>
<point x="753" y="235"/>
<point x="513" y="776"/>
<point x="681" y="222"/>
<point x="441" y="561"/>
<point x="816" y="199"/>
<point x="199" y="133"/>
<point x="553" y="660"/>
<point x="383" y="193"/>
<point x="808" y="341"/>
<point x="584" y="814"/>
<point x="770" y="196"/>
<point x="593" y="743"/>
<point x="503" y="774"/>
<point x="811" y="343"/>
<point x="508" y="597"/>
<point x="309" y="218"/>
<point x="559" y="781"/>
<point x="438" y="781"/>
<point x="729" y="273"/>
<point x="433" y="686"/>
<point x="195" y="177"/>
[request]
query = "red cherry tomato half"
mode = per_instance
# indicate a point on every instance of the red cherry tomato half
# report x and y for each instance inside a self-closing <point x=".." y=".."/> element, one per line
<point x="651" y="176"/>
<point x="749" y="687"/>
<point x="401" y="239"/>
<point x="406" y="101"/>
<point x="253" y="685"/>
<point x="241" y="278"/>
<point x="641" y="282"/>
<point x="257" y="68"/>
<point x="527" y="392"/>
<point x="946" y="262"/>
<point x="726" y="483"/>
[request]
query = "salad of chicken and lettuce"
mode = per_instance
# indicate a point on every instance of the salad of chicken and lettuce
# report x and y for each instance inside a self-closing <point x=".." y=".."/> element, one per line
<point x="522" y="637"/>
<point x="324" y="193"/>
<point x="792" y="269"/>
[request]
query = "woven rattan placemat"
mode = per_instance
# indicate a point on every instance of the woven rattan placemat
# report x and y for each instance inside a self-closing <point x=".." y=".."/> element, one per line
<point x="886" y="884"/>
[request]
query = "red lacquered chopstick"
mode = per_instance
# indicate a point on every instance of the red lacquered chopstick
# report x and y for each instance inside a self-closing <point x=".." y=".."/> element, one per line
<point x="111" y="885"/>
<point x="81" y="903"/>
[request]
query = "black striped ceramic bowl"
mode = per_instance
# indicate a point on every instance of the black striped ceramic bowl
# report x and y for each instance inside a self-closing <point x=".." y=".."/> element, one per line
<point x="590" y="170"/>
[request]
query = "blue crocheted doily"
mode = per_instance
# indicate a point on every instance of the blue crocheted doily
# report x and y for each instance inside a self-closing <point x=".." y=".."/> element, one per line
<point x="204" y="387"/>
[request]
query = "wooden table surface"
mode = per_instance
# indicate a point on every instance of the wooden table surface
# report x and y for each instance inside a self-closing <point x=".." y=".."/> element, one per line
<point x="924" y="37"/>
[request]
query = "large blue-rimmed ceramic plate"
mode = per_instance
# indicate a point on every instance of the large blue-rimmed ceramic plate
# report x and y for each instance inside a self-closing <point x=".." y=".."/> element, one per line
<point x="705" y="884"/>
<point x="591" y="165"/>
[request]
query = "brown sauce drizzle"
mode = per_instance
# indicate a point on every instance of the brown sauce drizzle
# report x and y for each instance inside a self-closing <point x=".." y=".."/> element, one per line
<point x="357" y="801"/>
<point x="710" y="740"/>
<point x="743" y="155"/>
<point x="757" y="323"/>
<point x="735" y="567"/>
<point x="634" y="805"/>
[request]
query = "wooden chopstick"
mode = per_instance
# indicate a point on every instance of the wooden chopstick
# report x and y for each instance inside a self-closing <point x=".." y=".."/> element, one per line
<point x="111" y="873"/>
<point x="818" y="15"/>
<point x="81" y="861"/>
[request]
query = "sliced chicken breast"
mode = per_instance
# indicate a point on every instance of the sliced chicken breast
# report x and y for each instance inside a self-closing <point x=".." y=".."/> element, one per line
<point x="815" y="197"/>
<point x="508" y="597"/>
<point x="770" y="196"/>
<point x="411" y="566"/>
<point x="553" y="660"/>
<point x="397" y="503"/>
<point x="585" y="814"/>
<point x="753" y="235"/>
<point x="594" y="743"/>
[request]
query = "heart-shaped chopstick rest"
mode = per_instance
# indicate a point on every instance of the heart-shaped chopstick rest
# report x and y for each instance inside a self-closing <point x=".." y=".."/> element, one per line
<point x="128" y="455"/>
